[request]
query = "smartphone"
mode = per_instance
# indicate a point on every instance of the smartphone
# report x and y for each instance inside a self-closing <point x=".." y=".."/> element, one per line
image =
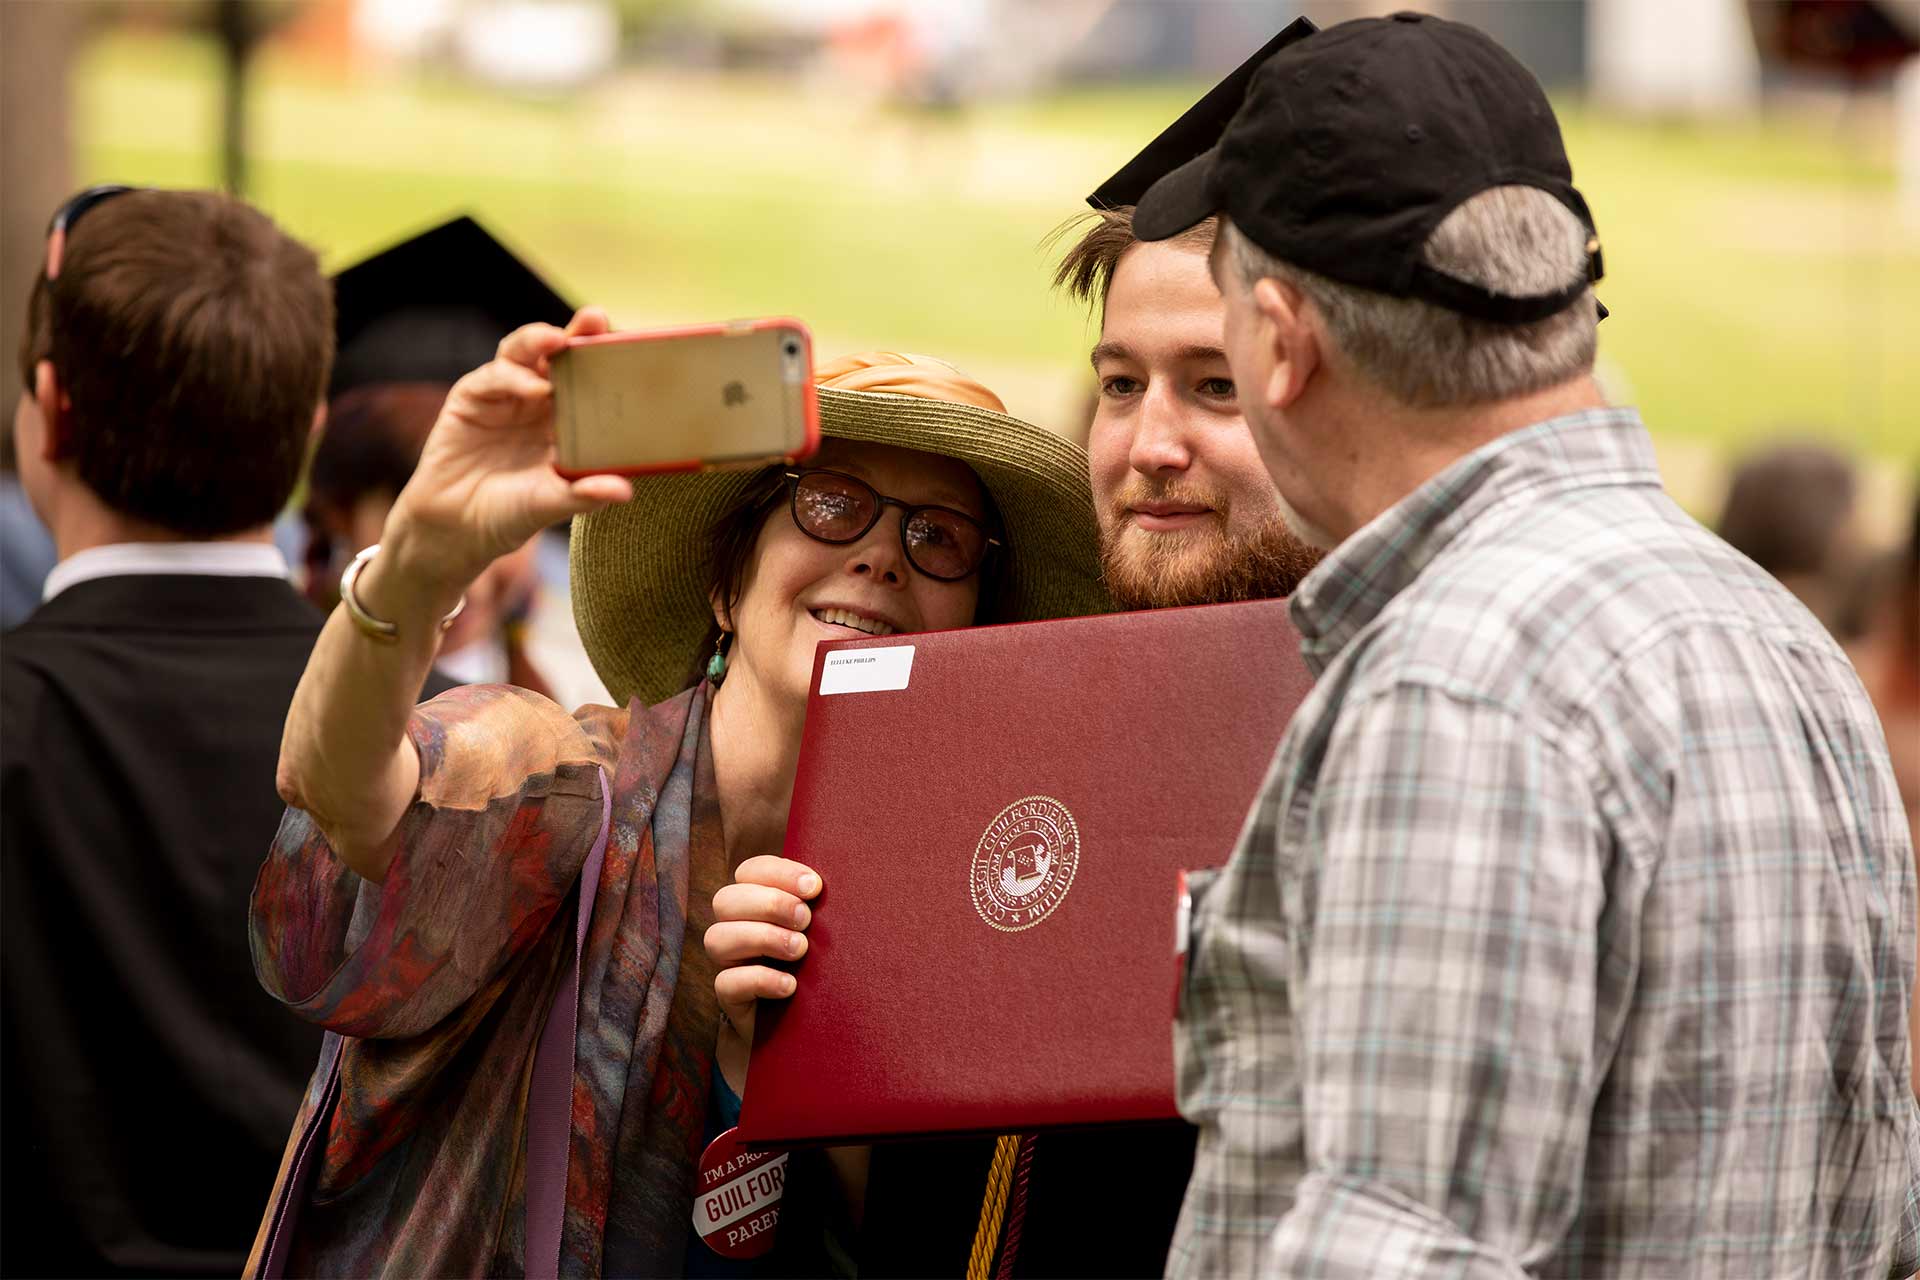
<point x="712" y="397"/>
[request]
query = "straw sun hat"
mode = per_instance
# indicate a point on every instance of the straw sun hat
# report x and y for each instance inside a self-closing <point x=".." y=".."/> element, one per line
<point x="640" y="569"/>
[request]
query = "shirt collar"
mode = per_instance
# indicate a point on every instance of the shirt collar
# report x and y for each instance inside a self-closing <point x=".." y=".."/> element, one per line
<point x="1360" y="577"/>
<point x="209" y="559"/>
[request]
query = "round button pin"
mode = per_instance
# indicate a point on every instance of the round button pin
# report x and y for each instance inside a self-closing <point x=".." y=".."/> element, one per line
<point x="736" y="1202"/>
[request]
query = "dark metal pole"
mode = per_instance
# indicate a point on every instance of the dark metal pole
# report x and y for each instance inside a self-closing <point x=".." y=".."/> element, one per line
<point x="236" y="41"/>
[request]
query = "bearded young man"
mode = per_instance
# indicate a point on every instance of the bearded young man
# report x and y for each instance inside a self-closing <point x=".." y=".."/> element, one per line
<point x="1188" y="514"/>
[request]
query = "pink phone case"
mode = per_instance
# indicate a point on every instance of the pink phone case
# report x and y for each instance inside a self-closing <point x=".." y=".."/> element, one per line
<point x="810" y="401"/>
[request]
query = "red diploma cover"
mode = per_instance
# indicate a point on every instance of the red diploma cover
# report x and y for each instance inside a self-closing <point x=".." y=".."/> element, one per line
<point x="1001" y="815"/>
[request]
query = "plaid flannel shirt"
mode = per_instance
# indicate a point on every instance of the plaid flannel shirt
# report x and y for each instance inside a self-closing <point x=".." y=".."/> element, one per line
<point x="1573" y="931"/>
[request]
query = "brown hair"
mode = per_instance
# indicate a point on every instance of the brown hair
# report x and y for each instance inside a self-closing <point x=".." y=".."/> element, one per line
<point x="736" y="530"/>
<point x="1086" y="270"/>
<point x="371" y="445"/>
<point x="372" y="441"/>
<point x="193" y="339"/>
<point x="1787" y="506"/>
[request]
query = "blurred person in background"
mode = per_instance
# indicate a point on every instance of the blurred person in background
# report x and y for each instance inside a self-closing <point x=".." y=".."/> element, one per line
<point x="1790" y="510"/>
<point x="1886" y="652"/>
<point x="1188" y="516"/>
<point x="27" y="552"/>
<point x="366" y="454"/>
<point x="1887" y="655"/>
<point x="175" y="355"/>
<point x="419" y="900"/>
<point x="410" y="321"/>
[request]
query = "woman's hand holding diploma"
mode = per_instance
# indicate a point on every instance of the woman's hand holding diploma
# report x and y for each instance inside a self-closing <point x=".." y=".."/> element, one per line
<point x="762" y="915"/>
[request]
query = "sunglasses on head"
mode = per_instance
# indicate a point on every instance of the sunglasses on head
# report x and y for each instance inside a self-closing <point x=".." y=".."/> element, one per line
<point x="830" y="506"/>
<point x="69" y="213"/>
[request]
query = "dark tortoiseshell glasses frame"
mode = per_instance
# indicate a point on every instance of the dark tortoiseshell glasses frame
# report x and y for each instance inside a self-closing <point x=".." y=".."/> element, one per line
<point x="972" y="541"/>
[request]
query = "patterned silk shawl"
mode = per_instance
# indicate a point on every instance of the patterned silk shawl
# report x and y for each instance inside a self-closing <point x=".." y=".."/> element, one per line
<point x="441" y="978"/>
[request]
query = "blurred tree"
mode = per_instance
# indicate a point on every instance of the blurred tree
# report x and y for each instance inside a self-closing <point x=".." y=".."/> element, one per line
<point x="639" y="16"/>
<point x="38" y="41"/>
<point x="239" y="26"/>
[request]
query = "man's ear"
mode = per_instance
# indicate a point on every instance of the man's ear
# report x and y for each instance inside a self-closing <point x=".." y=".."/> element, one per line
<point x="56" y="411"/>
<point x="1292" y="337"/>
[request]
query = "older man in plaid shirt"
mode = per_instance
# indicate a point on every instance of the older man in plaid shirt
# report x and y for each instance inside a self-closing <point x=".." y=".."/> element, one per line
<point x="1573" y="932"/>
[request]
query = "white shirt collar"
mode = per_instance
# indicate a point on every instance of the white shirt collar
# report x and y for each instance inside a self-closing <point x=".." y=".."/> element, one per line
<point x="210" y="559"/>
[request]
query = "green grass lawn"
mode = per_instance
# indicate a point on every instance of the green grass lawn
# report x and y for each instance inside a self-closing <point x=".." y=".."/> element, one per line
<point x="1757" y="272"/>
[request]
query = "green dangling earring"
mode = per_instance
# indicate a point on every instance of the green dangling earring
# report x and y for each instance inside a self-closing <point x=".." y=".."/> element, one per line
<point x="717" y="664"/>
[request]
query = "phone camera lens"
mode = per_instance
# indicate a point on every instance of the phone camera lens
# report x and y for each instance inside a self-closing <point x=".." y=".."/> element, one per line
<point x="792" y="347"/>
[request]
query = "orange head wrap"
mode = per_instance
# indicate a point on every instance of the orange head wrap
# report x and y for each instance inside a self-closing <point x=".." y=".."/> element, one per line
<point x="905" y="375"/>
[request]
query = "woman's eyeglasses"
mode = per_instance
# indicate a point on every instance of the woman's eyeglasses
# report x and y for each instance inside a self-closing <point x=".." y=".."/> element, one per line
<point x="69" y="213"/>
<point x="939" y="541"/>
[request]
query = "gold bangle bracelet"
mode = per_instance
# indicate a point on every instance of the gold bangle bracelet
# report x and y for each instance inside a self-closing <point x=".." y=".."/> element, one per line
<point x="373" y="628"/>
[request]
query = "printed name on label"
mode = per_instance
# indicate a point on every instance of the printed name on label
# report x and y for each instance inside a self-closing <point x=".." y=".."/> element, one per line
<point x="878" y="670"/>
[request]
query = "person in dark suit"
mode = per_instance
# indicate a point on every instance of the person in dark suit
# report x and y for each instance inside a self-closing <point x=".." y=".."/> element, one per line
<point x="176" y="351"/>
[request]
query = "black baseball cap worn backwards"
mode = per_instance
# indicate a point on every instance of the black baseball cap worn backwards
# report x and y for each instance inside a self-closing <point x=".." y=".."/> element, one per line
<point x="1354" y="143"/>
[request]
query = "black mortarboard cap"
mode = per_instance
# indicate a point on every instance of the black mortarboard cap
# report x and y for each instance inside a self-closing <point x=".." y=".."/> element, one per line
<point x="433" y="307"/>
<point x="1194" y="132"/>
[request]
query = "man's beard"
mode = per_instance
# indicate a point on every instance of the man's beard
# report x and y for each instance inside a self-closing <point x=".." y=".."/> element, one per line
<point x="1199" y="565"/>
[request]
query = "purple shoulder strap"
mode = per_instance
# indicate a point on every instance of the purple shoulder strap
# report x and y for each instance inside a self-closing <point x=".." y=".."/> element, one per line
<point x="293" y="1194"/>
<point x="549" y="1104"/>
<point x="550" y="1098"/>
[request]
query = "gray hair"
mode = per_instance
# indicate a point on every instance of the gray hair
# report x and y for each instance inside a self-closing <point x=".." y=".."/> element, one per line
<point x="1512" y="240"/>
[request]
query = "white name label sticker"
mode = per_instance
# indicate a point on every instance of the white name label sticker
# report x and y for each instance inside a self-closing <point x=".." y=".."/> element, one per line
<point x="867" y="670"/>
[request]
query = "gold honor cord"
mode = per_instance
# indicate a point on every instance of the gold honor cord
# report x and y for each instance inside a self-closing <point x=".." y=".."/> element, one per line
<point x="993" y="1207"/>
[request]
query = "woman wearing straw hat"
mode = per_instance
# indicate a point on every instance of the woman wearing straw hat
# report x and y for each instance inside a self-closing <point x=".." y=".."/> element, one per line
<point x="456" y="882"/>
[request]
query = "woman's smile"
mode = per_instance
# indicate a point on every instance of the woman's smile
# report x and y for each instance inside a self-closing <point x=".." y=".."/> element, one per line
<point x="840" y="619"/>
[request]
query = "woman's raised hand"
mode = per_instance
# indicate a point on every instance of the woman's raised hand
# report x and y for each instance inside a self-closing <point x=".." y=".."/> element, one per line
<point x="485" y="482"/>
<point x="484" y="485"/>
<point x="763" y="915"/>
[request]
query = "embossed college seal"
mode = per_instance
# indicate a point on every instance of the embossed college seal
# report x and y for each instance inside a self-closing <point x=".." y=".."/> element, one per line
<point x="1024" y="863"/>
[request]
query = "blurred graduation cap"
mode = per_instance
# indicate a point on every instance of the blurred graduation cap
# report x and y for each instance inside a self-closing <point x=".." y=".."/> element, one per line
<point x="431" y="308"/>
<point x="1194" y="132"/>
